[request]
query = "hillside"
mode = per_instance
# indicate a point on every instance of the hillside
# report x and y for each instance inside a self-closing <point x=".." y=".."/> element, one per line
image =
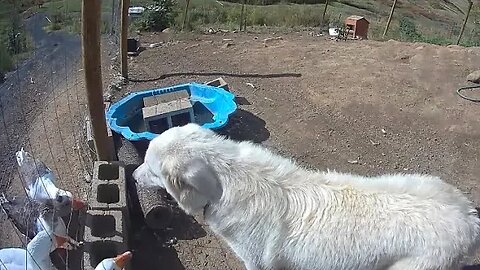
<point x="433" y="21"/>
<point x="14" y="41"/>
<point x="436" y="18"/>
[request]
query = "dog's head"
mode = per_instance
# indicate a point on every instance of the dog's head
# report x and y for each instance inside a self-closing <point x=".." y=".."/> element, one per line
<point x="180" y="160"/>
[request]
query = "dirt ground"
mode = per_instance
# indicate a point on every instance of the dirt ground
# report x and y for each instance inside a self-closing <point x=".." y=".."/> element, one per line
<point x="363" y="107"/>
<point x="358" y="106"/>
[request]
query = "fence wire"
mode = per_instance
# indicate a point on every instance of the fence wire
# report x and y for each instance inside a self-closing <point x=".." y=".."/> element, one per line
<point x="43" y="110"/>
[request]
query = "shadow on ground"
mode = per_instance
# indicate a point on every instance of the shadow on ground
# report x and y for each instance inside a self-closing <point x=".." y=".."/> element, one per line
<point x="245" y="126"/>
<point x="152" y="248"/>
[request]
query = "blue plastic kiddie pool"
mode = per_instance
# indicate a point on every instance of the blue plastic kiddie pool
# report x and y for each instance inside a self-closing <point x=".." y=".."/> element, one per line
<point x="211" y="106"/>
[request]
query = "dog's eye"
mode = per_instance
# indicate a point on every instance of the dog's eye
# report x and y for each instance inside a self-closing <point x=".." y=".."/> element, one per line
<point x="60" y="199"/>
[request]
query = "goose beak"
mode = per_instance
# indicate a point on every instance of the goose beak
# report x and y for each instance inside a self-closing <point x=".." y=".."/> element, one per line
<point x="122" y="259"/>
<point x="62" y="242"/>
<point x="78" y="204"/>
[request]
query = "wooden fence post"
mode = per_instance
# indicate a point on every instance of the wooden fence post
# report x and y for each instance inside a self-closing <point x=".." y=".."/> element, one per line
<point x="124" y="39"/>
<point x="185" y="14"/>
<point x="389" y="18"/>
<point x="241" y="14"/>
<point x="324" y="12"/>
<point x="470" y="3"/>
<point x="91" y="10"/>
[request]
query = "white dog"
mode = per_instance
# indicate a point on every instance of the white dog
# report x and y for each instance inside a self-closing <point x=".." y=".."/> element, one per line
<point x="276" y="215"/>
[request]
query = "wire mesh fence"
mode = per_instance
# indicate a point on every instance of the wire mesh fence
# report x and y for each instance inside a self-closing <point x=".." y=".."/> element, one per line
<point x="42" y="101"/>
<point x="43" y="111"/>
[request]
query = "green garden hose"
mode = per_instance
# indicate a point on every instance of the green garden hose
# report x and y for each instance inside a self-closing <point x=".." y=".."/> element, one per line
<point x="459" y="92"/>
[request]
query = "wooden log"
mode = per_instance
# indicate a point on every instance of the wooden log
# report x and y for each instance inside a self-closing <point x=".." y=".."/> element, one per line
<point x="156" y="207"/>
<point x="153" y="204"/>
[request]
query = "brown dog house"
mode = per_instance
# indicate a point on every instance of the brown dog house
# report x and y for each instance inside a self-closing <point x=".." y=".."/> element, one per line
<point x="357" y="26"/>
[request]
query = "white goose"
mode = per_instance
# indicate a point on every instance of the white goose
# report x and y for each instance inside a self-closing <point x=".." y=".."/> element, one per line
<point x="40" y="184"/>
<point x="50" y="221"/>
<point x="35" y="256"/>
<point x="30" y="217"/>
<point x="117" y="263"/>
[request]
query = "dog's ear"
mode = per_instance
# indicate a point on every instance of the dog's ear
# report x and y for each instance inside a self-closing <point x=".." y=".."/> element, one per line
<point x="201" y="176"/>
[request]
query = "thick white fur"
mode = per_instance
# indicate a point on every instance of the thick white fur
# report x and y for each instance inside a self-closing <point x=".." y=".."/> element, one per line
<point x="277" y="215"/>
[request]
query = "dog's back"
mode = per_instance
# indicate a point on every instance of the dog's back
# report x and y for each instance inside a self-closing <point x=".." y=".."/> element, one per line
<point x="276" y="215"/>
<point x="300" y="219"/>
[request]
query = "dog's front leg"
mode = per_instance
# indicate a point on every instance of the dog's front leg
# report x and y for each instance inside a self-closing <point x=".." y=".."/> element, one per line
<point x="249" y="263"/>
<point x="252" y="266"/>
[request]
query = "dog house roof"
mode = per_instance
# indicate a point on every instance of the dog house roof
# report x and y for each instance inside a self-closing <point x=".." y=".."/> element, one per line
<point x="356" y="18"/>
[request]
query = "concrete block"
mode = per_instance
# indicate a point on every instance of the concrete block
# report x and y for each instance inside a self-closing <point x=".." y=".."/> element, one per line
<point x="105" y="236"/>
<point x="108" y="187"/>
<point x="109" y="195"/>
<point x="163" y="116"/>
<point x="164" y="98"/>
<point x="103" y="225"/>
<point x="163" y="109"/>
<point x="219" y="82"/>
<point x="104" y="170"/>
<point x="91" y="144"/>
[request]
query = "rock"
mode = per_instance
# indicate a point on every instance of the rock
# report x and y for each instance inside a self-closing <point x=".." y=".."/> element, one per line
<point x="474" y="77"/>
<point x="154" y="45"/>
<point x="226" y="45"/>
<point x="192" y="46"/>
<point x="271" y="41"/>
<point x="455" y="47"/>
<point x="167" y="30"/>
<point x="108" y="95"/>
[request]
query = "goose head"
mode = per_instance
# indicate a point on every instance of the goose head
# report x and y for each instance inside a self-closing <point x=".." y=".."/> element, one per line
<point x="65" y="199"/>
<point x="117" y="263"/>
<point x="61" y="200"/>
<point x="40" y="184"/>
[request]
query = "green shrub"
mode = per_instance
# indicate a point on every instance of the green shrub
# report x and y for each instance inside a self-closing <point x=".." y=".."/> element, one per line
<point x="6" y="61"/>
<point x="158" y="16"/>
<point x="408" y="30"/>
<point x="13" y="37"/>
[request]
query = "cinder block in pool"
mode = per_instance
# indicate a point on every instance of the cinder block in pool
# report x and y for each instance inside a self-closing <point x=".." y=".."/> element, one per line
<point x="181" y="119"/>
<point x="158" y="126"/>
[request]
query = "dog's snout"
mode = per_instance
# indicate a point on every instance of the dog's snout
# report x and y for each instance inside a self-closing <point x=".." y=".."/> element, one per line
<point x="139" y="174"/>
